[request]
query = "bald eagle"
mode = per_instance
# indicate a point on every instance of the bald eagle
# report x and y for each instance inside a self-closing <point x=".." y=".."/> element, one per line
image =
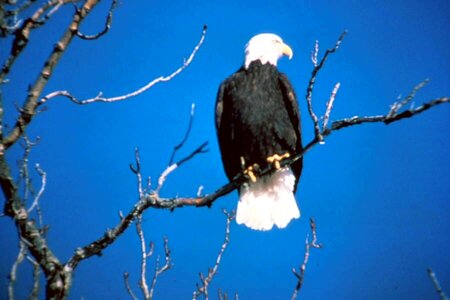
<point x="258" y="123"/>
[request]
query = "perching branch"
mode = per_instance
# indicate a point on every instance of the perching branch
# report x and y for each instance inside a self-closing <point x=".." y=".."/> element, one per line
<point x="205" y="281"/>
<point x="100" y="98"/>
<point x="308" y="244"/>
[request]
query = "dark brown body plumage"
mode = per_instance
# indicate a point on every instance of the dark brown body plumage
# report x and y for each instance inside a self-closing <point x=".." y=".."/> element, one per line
<point x="257" y="116"/>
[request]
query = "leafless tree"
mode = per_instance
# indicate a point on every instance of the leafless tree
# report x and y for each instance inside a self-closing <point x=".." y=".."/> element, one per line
<point x="33" y="244"/>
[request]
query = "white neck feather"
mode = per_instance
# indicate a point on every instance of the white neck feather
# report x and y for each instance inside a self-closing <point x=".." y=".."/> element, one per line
<point x="263" y="57"/>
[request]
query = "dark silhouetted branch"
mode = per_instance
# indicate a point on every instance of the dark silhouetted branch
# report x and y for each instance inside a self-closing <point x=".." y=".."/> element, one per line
<point x="205" y="281"/>
<point x="308" y="245"/>
<point x="186" y="135"/>
<point x="107" y="25"/>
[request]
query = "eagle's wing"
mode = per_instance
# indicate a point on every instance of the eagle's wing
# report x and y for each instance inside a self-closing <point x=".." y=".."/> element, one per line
<point x="290" y="101"/>
<point x="219" y="106"/>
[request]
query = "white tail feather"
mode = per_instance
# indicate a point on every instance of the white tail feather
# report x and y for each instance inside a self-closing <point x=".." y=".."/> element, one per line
<point x="268" y="201"/>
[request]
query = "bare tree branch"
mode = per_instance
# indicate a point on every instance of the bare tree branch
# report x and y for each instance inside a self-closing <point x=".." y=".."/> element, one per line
<point x="312" y="80"/>
<point x="13" y="272"/>
<point x="28" y="109"/>
<point x="23" y="167"/>
<point x="143" y="281"/>
<point x="158" y="271"/>
<point x="59" y="275"/>
<point x="162" y="178"/>
<point x="330" y="106"/>
<point x="22" y="34"/>
<point x="100" y="98"/>
<point x="58" y="278"/>
<point x="436" y="284"/>
<point x="186" y="135"/>
<point x="205" y="281"/>
<point x="41" y="190"/>
<point x="137" y="170"/>
<point x="308" y="244"/>
<point x="107" y="25"/>
<point x="36" y="274"/>
<point x="398" y="105"/>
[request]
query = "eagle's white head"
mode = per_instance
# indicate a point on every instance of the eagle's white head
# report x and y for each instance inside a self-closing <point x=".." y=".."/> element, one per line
<point x="266" y="47"/>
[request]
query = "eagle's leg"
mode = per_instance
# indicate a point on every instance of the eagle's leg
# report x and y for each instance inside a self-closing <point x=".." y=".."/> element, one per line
<point x="275" y="159"/>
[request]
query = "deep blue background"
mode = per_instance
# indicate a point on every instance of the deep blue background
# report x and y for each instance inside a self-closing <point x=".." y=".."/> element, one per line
<point x="379" y="194"/>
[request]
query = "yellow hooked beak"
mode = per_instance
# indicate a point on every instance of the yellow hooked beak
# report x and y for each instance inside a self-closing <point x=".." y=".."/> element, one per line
<point x="286" y="50"/>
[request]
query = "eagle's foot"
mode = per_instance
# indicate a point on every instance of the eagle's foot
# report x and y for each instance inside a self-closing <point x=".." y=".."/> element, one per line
<point x="275" y="159"/>
<point x="250" y="172"/>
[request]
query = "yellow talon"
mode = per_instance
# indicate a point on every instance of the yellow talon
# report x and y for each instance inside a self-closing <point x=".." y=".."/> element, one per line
<point x="249" y="172"/>
<point x="275" y="159"/>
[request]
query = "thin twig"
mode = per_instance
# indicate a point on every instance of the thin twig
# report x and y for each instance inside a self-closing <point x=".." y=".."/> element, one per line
<point x="137" y="171"/>
<point x="398" y="105"/>
<point x="330" y="106"/>
<point x="315" y="53"/>
<point x="436" y="284"/>
<point x="100" y="98"/>
<point x="13" y="272"/>
<point x="308" y="244"/>
<point x="205" y="281"/>
<point x="186" y="135"/>
<point x="107" y="25"/>
<point x="312" y="80"/>
<point x="41" y="190"/>
<point x="128" y="287"/>
<point x="23" y="167"/>
<point x="144" y="255"/>
<point x="162" y="178"/>
<point x="158" y="271"/>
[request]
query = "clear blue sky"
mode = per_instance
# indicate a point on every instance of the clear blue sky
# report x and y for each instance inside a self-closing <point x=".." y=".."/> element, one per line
<point x="379" y="194"/>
